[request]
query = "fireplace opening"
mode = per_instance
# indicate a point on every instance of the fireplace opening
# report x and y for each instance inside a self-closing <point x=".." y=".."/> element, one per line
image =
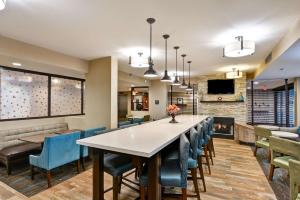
<point x="224" y="127"/>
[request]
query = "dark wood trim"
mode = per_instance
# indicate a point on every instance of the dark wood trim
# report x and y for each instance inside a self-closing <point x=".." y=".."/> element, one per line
<point x="28" y="118"/>
<point x="252" y="102"/>
<point x="49" y="95"/>
<point x="82" y="97"/>
<point x="154" y="188"/>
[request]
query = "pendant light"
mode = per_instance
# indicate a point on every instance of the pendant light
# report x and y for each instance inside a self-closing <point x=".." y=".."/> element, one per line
<point x="189" y="88"/>
<point x="239" y="48"/>
<point x="234" y="74"/>
<point x="183" y="85"/>
<point x="166" y="77"/>
<point x="150" y="73"/>
<point x="2" y="4"/>
<point x="176" y="80"/>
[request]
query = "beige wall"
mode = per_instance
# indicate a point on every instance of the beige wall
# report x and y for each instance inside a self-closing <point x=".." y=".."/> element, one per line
<point x="237" y="110"/>
<point x="101" y="93"/>
<point x="158" y="91"/>
<point x="38" y="59"/>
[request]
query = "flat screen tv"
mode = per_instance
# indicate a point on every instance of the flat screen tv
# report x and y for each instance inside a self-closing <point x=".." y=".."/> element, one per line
<point x="220" y="86"/>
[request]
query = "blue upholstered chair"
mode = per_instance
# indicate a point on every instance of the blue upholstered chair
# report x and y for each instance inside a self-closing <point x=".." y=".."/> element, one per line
<point x="84" y="150"/>
<point x="205" y="143"/>
<point x="211" y="132"/>
<point x="200" y="153"/>
<point x="123" y="123"/>
<point x="138" y="120"/>
<point x="57" y="151"/>
<point x="173" y="172"/>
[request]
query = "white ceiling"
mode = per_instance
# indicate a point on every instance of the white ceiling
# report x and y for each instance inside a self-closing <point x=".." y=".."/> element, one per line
<point x="97" y="28"/>
<point x="286" y="66"/>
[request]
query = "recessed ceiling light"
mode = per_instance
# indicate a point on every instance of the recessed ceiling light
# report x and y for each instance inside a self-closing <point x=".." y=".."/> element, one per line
<point x="256" y="82"/>
<point x="16" y="63"/>
<point x="2" y="4"/>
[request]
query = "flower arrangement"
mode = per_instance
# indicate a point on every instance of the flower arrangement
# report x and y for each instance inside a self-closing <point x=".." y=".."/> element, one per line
<point x="173" y="110"/>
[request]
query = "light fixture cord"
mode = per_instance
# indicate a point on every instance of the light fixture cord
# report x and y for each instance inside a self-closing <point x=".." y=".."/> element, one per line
<point x="150" y="46"/>
<point x="166" y="58"/>
<point x="189" y="72"/>
<point x="183" y="68"/>
<point x="176" y="62"/>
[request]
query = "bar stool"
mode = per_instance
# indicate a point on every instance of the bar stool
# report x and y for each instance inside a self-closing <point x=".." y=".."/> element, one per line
<point x="205" y="144"/>
<point x="200" y="154"/>
<point x="211" y="133"/>
<point x="173" y="172"/>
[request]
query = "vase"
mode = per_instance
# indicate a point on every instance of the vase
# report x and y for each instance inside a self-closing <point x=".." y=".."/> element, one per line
<point x="173" y="119"/>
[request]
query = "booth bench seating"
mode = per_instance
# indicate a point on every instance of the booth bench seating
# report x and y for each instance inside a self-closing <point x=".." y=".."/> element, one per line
<point x="13" y="150"/>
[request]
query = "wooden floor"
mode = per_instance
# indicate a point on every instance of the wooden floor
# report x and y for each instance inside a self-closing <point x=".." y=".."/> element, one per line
<point x="7" y="193"/>
<point x="236" y="175"/>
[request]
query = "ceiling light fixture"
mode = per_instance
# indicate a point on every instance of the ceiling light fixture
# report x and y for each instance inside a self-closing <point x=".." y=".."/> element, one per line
<point x="234" y="74"/>
<point x="2" y="4"/>
<point x="150" y="73"/>
<point x="183" y="85"/>
<point x="189" y="88"/>
<point x="176" y="80"/>
<point x="138" y="61"/>
<point x="16" y="63"/>
<point x="166" y="77"/>
<point x="239" y="48"/>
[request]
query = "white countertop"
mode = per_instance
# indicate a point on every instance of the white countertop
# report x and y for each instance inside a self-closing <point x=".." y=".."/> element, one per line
<point x="143" y="140"/>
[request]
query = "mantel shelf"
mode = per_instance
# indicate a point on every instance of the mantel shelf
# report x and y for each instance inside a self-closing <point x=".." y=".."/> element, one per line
<point x="222" y="101"/>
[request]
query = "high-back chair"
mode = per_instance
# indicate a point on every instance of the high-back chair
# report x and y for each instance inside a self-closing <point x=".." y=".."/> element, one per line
<point x="262" y="136"/>
<point x="173" y="172"/>
<point x="57" y="151"/>
<point x="200" y="153"/>
<point x="211" y="133"/>
<point x="206" y="138"/>
<point x="282" y="150"/>
<point x="84" y="151"/>
<point x="294" y="179"/>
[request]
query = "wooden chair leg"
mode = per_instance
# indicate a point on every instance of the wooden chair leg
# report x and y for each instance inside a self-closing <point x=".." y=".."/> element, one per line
<point x="213" y="147"/>
<point x="271" y="172"/>
<point x="201" y="172"/>
<point x="184" y="194"/>
<point x="82" y="163"/>
<point x="78" y="166"/>
<point x="49" y="178"/>
<point x="207" y="159"/>
<point x="269" y="156"/>
<point x="194" y="177"/>
<point x="210" y="153"/>
<point x="142" y="192"/>
<point x="32" y="172"/>
<point x="255" y="151"/>
<point x="120" y="183"/>
<point x="115" y="188"/>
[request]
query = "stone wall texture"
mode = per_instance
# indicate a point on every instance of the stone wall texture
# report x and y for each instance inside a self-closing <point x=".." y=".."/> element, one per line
<point x="237" y="110"/>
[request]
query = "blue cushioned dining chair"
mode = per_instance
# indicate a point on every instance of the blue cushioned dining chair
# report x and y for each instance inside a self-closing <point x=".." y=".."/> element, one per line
<point x="200" y="153"/>
<point x="205" y="144"/>
<point x="57" y="151"/>
<point x="84" y="150"/>
<point x="173" y="172"/>
<point x="211" y="133"/>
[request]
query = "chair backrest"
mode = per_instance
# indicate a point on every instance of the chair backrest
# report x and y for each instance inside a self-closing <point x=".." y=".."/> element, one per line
<point x="294" y="178"/>
<point x="194" y="137"/>
<point x="287" y="147"/>
<point x="262" y="132"/>
<point x="84" y="151"/>
<point x="184" y="147"/>
<point x="60" y="150"/>
<point x="205" y="131"/>
<point x="200" y="135"/>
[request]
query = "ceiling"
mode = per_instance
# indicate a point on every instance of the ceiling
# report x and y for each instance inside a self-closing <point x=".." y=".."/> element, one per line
<point x="286" y="66"/>
<point x="97" y="28"/>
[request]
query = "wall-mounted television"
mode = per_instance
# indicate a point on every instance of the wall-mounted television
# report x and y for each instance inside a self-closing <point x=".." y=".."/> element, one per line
<point x="220" y="86"/>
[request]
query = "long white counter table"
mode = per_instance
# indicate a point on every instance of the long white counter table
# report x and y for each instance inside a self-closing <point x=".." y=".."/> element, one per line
<point x="145" y="140"/>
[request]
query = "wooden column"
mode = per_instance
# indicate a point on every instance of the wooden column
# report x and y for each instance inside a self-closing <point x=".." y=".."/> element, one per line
<point x="252" y="103"/>
<point x="287" y="103"/>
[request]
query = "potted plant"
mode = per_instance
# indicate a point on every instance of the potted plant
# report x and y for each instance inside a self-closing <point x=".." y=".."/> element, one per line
<point x="173" y="110"/>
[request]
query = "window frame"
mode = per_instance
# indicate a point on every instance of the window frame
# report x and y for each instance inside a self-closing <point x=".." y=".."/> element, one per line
<point x="49" y="76"/>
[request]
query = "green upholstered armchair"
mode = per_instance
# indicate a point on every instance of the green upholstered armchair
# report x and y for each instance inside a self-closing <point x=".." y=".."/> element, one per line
<point x="262" y="136"/>
<point x="294" y="179"/>
<point x="282" y="150"/>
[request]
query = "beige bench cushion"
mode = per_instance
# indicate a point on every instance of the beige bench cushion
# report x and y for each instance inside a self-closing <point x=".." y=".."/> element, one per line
<point x="11" y="137"/>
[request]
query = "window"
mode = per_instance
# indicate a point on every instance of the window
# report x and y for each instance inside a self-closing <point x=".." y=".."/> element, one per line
<point x="27" y="94"/>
